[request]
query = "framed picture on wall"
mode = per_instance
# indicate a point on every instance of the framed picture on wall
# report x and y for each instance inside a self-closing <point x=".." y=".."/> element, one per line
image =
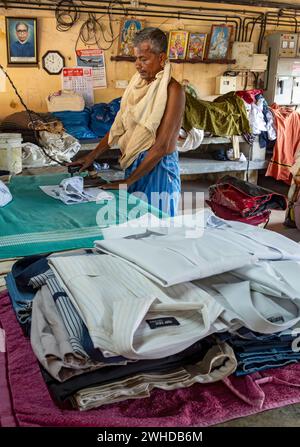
<point x="219" y="41"/>
<point x="128" y="29"/>
<point x="177" y="46"/>
<point x="21" y="41"/>
<point x="196" y="46"/>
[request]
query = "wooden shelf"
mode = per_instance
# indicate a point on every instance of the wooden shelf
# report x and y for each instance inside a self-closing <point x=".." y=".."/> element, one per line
<point x="203" y="61"/>
<point x="180" y="61"/>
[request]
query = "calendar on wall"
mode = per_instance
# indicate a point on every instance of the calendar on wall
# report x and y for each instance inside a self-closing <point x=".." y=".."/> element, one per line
<point x="81" y="81"/>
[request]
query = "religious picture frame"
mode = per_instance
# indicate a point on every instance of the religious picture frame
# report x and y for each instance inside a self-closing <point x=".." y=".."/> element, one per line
<point x="128" y="29"/>
<point x="177" y="44"/>
<point x="219" y="43"/>
<point x="21" y="41"/>
<point x="196" y="46"/>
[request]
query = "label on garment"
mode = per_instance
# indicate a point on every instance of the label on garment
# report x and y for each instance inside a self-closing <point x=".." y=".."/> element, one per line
<point x="276" y="319"/>
<point x="162" y="322"/>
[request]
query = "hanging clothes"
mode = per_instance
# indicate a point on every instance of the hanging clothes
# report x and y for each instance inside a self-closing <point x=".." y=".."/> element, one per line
<point x="225" y="116"/>
<point x="288" y="140"/>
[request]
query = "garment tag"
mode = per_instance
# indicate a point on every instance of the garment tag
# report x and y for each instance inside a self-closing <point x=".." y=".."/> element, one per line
<point x="162" y="322"/>
<point x="276" y="319"/>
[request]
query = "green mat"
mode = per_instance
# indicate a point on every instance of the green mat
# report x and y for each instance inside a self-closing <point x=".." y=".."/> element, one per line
<point x="36" y="223"/>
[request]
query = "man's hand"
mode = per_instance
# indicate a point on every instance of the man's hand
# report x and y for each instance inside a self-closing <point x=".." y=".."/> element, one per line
<point x="116" y="185"/>
<point x="85" y="162"/>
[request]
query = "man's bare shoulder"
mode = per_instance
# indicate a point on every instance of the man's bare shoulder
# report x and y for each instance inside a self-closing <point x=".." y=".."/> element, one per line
<point x="174" y="88"/>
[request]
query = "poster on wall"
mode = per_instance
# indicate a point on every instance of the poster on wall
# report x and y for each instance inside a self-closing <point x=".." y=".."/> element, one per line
<point x="21" y="41"/>
<point x="128" y="29"/>
<point x="81" y="81"/>
<point x="95" y="59"/>
<point x="177" y="46"/>
<point x="219" y="41"/>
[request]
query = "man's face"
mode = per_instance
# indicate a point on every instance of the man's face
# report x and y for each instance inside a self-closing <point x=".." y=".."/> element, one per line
<point x="22" y="32"/>
<point x="147" y="63"/>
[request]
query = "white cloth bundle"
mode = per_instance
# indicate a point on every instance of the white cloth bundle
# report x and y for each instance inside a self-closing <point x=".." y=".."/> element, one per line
<point x="5" y="195"/>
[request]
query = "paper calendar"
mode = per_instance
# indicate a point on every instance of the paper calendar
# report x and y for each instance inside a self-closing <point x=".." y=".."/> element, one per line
<point x="81" y="81"/>
<point x="95" y="59"/>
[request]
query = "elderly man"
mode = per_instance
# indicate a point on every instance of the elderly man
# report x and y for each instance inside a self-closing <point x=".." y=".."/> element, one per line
<point x="23" y="46"/>
<point x="147" y="126"/>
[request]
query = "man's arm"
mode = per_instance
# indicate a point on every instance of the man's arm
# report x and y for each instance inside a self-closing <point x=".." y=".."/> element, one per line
<point x="88" y="159"/>
<point x="166" y="135"/>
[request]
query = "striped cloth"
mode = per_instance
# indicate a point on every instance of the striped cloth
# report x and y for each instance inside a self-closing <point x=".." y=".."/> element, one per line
<point x="79" y="337"/>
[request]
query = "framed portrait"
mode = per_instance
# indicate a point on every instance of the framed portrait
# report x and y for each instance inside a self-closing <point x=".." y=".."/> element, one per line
<point x="21" y="41"/>
<point x="219" y="41"/>
<point x="128" y="29"/>
<point x="178" y="40"/>
<point x="196" y="46"/>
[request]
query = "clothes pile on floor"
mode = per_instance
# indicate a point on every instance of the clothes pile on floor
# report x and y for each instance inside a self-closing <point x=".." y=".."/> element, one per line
<point x="234" y="199"/>
<point x="163" y="307"/>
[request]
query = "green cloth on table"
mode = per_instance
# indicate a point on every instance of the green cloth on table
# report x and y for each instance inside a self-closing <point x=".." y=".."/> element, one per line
<point x="226" y="116"/>
<point x="36" y="223"/>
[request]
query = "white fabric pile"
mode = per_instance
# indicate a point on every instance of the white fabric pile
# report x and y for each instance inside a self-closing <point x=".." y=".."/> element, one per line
<point x="61" y="147"/>
<point x="71" y="191"/>
<point x="65" y="100"/>
<point x="189" y="141"/>
<point x="5" y="195"/>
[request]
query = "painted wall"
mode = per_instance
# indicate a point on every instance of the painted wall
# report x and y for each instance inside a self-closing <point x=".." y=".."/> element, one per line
<point x="34" y="84"/>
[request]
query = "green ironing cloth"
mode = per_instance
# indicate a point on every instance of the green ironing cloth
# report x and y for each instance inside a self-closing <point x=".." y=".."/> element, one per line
<point x="225" y="116"/>
<point x="36" y="223"/>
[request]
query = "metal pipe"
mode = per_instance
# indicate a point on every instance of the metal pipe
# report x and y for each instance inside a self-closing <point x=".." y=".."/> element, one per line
<point x="147" y="4"/>
<point x="156" y="14"/>
<point x="260" y="3"/>
<point x="253" y="20"/>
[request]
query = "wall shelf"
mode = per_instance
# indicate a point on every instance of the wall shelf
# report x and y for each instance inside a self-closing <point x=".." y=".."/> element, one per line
<point x="179" y="61"/>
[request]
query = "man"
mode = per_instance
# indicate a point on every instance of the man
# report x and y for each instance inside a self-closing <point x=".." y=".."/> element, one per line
<point x="147" y="126"/>
<point x="22" y="47"/>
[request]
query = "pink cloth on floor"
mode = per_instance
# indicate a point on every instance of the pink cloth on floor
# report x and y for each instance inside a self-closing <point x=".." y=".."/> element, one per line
<point x="199" y="405"/>
<point x="7" y="418"/>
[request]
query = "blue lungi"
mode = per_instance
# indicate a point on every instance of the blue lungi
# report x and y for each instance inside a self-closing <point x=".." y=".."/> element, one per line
<point x="160" y="187"/>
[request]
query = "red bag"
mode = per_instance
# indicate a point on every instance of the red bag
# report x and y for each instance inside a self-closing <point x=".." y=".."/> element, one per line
<point x="234" y="199"/>
<point x="228" y="214"/>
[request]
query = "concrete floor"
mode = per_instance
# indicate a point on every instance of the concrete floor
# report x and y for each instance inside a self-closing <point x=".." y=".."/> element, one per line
<point x="288" y="416"/>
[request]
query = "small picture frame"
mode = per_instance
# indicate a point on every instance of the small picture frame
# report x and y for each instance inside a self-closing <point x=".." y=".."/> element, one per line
<point x="219" y="43"/>
<point x="196" y="46"/>
<point x="128" y="29"/>
<point x="21" y="41"/>
<point x="177" y="46"/>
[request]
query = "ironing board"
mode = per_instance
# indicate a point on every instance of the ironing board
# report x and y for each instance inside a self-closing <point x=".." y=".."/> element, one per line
<point x="36" y="223"/>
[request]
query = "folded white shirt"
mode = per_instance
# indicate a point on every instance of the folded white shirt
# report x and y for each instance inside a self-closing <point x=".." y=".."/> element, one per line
<point x="71" y="191"/>
<point x="263" y="297"/>
<point x="129" y="315"/>
<point x="264" y="243"/>
<point x="174" y="258"/>
<point x="5" y="195"/>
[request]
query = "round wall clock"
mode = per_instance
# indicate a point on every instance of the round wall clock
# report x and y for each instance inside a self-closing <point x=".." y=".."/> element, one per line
<point x="53" y="62"/>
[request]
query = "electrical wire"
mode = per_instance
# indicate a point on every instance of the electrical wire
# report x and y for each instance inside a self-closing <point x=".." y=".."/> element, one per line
<point x="66" y="14"/>
<point x="34" y="122"/>
<point x="92" y="31"/>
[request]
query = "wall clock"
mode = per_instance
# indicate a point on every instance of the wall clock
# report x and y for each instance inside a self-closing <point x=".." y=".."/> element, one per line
<point x="53" y="62"/>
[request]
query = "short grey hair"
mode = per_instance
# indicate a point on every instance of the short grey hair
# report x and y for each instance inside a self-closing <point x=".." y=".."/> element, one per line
<point x="155" y="36"/>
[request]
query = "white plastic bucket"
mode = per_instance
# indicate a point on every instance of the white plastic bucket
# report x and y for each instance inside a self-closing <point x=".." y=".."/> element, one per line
<point x="11" y="152"/>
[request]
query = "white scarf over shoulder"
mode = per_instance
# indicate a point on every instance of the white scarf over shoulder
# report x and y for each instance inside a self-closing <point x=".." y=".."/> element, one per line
<point x="141" y="111"/>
